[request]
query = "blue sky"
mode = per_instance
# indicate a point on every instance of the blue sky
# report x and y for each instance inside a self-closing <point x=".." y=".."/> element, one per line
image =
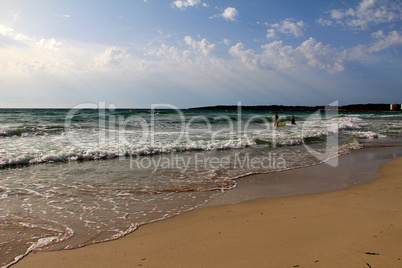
<point x="194" y="52"/>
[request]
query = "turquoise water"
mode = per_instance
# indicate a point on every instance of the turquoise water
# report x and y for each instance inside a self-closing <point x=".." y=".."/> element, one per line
<point x="69" y="178"/>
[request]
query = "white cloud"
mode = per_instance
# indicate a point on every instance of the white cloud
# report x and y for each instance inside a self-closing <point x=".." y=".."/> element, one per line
<point x="230" y="13"/>
<point x="319" y="56"/>
<point x="324" y="22"/>
<point x="337" y="14"/>
<point x="226" y="41"/>
<point x="183" y="4"/>
<point x="21" y="37"/>
<point x="247" y="57"/>
<point x="42" y="42"/>
<point x="191" y="65"/>
<point x="50" y="56"/>
<point x="192" y="54"/>
<point x="34" y="59"/>
<point x="367" y="4"/>
<point x="192" y="59"/>
<point x="112" y="56"/>
<point x="66" y="16"/>
<point x="310" y="55"/>
<point x="383" y="42"/>
<point x="203" y="46"/>
<point x="276" y="55"/>
<point x="393" y="39"/>
<point x="6" y="31"/>
<point x="49" y="43"/>
<point x="287" y="27"/>
<point x="271" y="33"/>
<point x="366" y="13"/>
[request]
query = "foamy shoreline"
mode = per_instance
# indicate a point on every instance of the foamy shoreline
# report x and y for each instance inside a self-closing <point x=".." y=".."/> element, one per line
<point x="329" y="229"/>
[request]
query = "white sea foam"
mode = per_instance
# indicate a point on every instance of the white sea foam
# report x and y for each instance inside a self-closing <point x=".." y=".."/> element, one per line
<point x="57" y="148"/>
<point x="103" y="200"/>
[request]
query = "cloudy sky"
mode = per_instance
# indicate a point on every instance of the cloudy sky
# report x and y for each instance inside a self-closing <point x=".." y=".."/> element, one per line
<point x="199" y="52"/>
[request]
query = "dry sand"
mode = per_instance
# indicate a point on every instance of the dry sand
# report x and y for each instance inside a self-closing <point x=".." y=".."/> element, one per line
<point x="355" y="227"/>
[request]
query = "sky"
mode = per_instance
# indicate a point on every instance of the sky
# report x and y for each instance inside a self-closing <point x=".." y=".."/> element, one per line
<point x="190" y="53"/>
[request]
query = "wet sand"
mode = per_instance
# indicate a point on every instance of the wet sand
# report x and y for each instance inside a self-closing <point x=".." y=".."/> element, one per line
<point x="358" y="226"/>
<point x="358" y="167"/>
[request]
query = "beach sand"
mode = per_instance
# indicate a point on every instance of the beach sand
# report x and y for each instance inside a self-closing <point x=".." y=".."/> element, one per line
<point x="360" y="226"/>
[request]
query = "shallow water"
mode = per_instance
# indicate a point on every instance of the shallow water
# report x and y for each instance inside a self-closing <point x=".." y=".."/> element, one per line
<point x="69" y="178"/>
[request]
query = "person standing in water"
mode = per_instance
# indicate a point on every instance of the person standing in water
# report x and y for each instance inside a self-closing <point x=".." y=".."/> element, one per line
<point x="276" y="120"/>
<point x="293" y="121"/>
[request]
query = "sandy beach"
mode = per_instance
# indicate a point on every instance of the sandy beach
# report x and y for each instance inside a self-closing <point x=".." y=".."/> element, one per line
<point x="360" y="226"/>
<point x="182" y="133"/>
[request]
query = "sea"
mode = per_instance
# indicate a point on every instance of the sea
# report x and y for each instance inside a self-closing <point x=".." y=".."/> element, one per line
<point x="93" y="173"/>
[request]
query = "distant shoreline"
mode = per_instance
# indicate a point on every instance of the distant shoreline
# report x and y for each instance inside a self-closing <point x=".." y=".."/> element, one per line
<point x="370" y="107"/>
<point x="346" y="108"/>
